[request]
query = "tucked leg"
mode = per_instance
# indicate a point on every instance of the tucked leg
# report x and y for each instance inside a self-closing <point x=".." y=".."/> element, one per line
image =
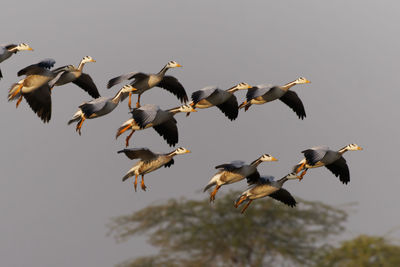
<point x="212" y="196"/>
<point x="19" y="101"/>
<point x="130" y="100"/>
<point x="301" y="167"/>
<point x="142" y="184"/>
<point x="302" y="174"/>
<point x="79" y="125"/>
<point x="245" y="207"/>
<point x="138" y="102"/>
<point x="135" y="183"/>
<point x="129" y="137"/>
<point x="241" y="199"/>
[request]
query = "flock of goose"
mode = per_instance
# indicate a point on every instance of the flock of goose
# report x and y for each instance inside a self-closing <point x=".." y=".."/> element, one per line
<point x="40" y="79"/>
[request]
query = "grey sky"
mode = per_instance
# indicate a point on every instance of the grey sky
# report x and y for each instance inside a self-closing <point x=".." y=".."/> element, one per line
<point x="58" y="190"/>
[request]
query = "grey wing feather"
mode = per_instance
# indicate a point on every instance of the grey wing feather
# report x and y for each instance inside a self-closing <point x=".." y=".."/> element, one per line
<point x="128" y="76"/>
<point x="257" y="91"/>
<point x="172" y="85"/>
<point x="231" y="166"/>
<point x="315" y="154"/>
<point x="341" y="169"/>
<point x="86" y="83"/>
<point x="230" y="107"/>
<point x="293" y="101"/>
<point x="37" y="68"/>
<point x="254" y="178"/>
<point x="169" y="163"/>
<point x="88" y="108"/>
<point x="284" y="196"/>
<point x="40" y="102"/>
<point x="169" y="131"/>
<point x="203" y="93"/>
<point x="145" y="114"/>
<point x="142" y="153"/>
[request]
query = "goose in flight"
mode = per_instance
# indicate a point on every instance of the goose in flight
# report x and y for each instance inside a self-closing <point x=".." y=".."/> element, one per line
<point x="6" y="51"/>
<point x="322" y="156"/>
<point x="162" y="121"/>
<point x="98" y="107"/>
<point x="149" y="161"/>
<point x="225" y="100"/>
<point x="73" y="74"/>
<point x="36" y="88"/>
<point x="143" y="82"/>
<point x="266" y="186"/>
<point x="263" y="93"/>
<point x="235" y="171"/>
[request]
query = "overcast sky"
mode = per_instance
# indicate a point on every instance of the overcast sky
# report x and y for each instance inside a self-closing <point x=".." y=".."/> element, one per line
<point x="58" y="190"/>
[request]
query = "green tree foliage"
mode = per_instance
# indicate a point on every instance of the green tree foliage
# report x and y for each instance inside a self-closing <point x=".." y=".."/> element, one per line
<point x="195" y="233"/>
<point x="362" y="251"/>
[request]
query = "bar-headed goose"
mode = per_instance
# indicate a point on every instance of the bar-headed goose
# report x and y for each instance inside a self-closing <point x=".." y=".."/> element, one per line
<point x="225" y="100"/>
<point x="98" y="107"/>
<point x="235" y="171"/>
<point x="149" y="161"/>
<point x="162" y="121"/>
<point x="35" y="88"/>
<point x="6" y="51"/>
<point x="75" y="75"/>
<point x="266" y="186"/>
<point x="322" y="156"/>
<point x="143" y="82"/>
<point x="263" y="93"/>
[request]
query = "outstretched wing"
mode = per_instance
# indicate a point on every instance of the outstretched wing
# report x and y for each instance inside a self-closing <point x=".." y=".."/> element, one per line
<point x="284" y="196"/>
<point x="145" y="115"/>
<point x="88" y="108"/>
<point x="230" y="107"/>
<point x="86" y="83"/>
<point x="315" y="154"/>
<point x="203" y="93"/>
<point x="172" y="85"/>
<point x="169" y="163"/>
<point x="40" y="102"/>
<point x="144" y="154"/>
<point x="169" y="131"/>
<point x="38" y="67"/>
<point x="257" y="91"/>
<point x="128" y="76"/>
<point x="293" y="101"/>
<point x="231" y="166"/>
<point x="340" y="168"/>
<point x="254" y="178"/>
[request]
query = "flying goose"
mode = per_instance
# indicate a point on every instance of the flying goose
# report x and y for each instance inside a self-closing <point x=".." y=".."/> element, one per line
<point x="35" y="87"/>
<point x="225" y="100"/>
<point x="266" y="186"/>
<point x="162" y="121"/>
<point x="98" y="107"/>
<point x="143" y="82"/>
<point x="235" y="171"/>
<point x="76" y="76"/>
<point x="7" y="51"/>
<point x="322" y="156"/>
<point x="149" y="161"/>
<point x="262" y="94"/>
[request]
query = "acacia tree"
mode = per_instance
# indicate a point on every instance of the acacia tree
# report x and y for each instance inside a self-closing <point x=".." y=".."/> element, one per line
<point x="195" y="233"/>
<point x="362" y="251"/>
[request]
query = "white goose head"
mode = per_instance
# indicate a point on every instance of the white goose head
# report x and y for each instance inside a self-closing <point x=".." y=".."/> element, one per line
<point x="181" y="150"/>
<point x="292" y="176"/>
<point x="87" y="59"/>
<point x="353" y="147"/>
<point x="128" y="88"/>
<point x="23" y="46"/>
<point x="301" y="80"/>
<point x="173" y="64"/>
<point x="186" y="109"/>
<point x="242" y="86"/>
<point x="268" y="157"/>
